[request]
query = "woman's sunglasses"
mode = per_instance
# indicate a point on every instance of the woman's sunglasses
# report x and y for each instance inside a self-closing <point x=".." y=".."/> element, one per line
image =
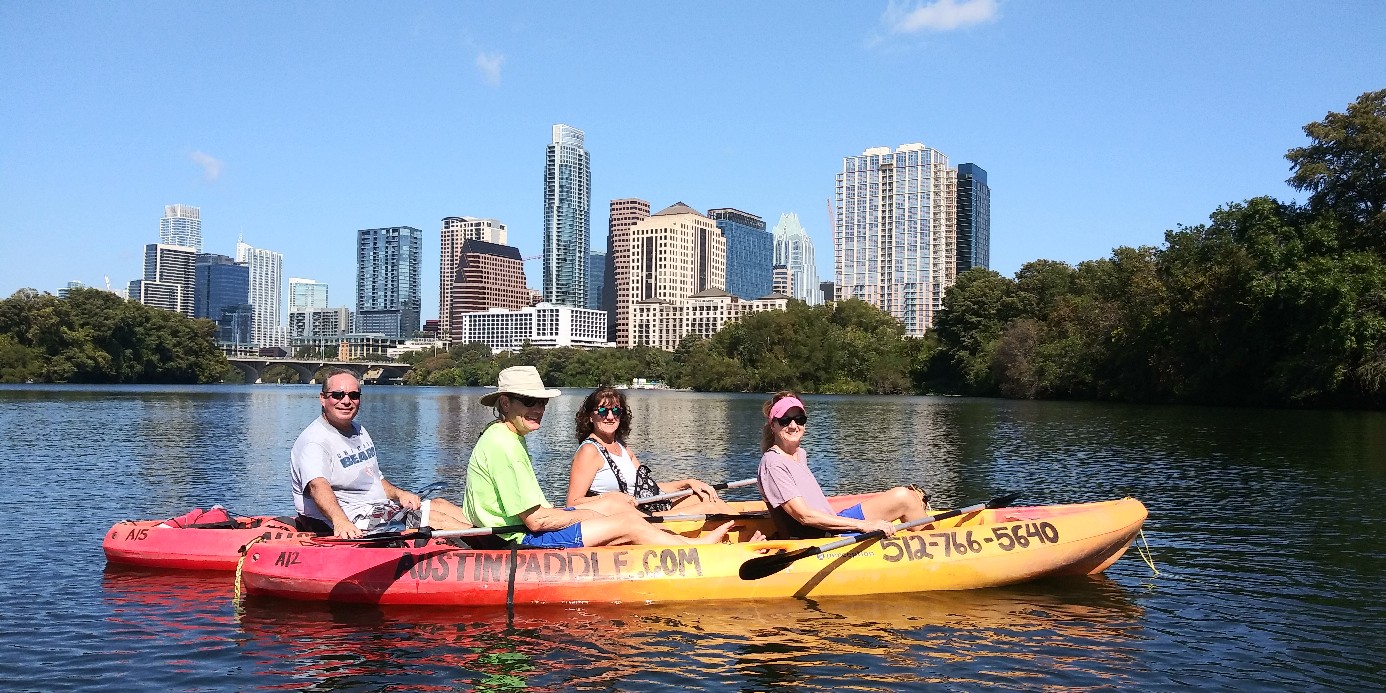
<point x="614" y="411"/>
<point x="339" y="394"/>
<point x="800" y="419"/>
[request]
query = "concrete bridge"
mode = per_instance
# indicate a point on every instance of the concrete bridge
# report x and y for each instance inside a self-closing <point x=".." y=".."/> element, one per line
<point x="373" y="371"/>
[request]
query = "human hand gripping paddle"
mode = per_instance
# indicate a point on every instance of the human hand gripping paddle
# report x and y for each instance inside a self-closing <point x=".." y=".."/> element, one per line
<point x="765" y="566"/>
<point x="688" y="491"/>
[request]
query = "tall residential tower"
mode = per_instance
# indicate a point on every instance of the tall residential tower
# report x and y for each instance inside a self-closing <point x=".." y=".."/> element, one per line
<point x="895" y="232"/>
<point x="567" y="227"/>
<point x="794" y="251"/>
<point x="388" y="269"/>
<point x="974" y="218"/>
<point x="266" y="293"/>
<point x="181" y="225"/>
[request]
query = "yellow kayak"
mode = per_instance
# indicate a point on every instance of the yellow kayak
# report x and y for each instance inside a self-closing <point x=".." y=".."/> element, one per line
<point x="980" y="548"/>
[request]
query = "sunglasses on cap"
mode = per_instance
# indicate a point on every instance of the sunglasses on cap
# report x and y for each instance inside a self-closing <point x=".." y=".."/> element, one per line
<point x="528" y="401"/>
<point x="614" y="411"/>
<point x="339" y="394"/>
<point x="800" y="418"/>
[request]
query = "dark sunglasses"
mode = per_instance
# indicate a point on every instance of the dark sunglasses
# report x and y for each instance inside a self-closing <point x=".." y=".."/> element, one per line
<point x="614" y="411"/>
<point x="529" y="401"/>
<point x="800" y="419"/>
<point x="339" y="394"/>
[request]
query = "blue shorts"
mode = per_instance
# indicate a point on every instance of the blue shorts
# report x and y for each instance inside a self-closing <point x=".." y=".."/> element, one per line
<point x="854" y="512"/>
<point x="569" y="537"/>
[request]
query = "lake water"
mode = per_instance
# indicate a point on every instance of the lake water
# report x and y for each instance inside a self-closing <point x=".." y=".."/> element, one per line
<point x="1266" y="528"/>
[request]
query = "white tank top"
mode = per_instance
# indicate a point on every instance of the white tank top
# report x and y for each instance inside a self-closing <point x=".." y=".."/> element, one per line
<point x="605" y="480"/>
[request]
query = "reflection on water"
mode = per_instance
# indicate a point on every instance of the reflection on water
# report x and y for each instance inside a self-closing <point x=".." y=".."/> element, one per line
<point x="1265" y="527"/>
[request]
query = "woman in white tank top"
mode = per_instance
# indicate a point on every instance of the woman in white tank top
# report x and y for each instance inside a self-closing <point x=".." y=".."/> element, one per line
<point x="603" y="463"/>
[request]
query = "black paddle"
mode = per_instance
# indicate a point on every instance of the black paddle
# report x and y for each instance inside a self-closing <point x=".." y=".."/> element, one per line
<point x="764" y="566"/>
<point x="429" y="532"/>
<point x="688" y="491"/>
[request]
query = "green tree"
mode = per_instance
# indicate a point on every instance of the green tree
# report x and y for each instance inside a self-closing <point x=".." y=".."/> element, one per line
<point x="1344" y="167"/>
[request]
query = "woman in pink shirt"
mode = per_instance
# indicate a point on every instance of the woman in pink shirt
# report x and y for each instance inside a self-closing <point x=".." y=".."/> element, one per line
<point x="796" y="501"/>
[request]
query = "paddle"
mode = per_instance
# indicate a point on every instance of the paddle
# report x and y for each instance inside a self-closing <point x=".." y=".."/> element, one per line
<point x="429" y="532"/>
<point x="688" y="491"/>
<point x="765" y="566"/>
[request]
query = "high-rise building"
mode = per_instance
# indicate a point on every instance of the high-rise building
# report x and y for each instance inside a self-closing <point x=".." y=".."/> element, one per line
<point x="794" y="250"/>
<point x="64" y="292"/>
<point x="826" y="289"/>
<point x="306" y="294"/>
<point x="674" y="254"/>
<point x="318" y="323"/>
<point x="388" y="267"/>
<point x="266" y="293"/>
<point x="974" y="218"/>
<point x="456" y="231"/>
<point x="781" y="280"/>
<point x="170" y="278"/>
<point x="181" y="225"/>
<point x="895" y="234"/>
<point x="596" y="279"/>
<point x="567" y="226"/>
<point x="625" y="213"/>
<point x="488" y="275"/>
<point x="750" y="252"/>
<point x="223" y="295"/>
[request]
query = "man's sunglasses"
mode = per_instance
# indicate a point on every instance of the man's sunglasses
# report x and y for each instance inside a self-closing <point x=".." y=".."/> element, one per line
<point x="339" y="394"/>
<point x="800" y="419"/>
<point x="529" y="401"/>
<point x="614" y="411"/>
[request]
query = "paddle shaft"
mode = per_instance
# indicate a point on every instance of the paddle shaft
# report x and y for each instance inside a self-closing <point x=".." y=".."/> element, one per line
<point x="427" y="533"/>
<point x="688" y="491"/>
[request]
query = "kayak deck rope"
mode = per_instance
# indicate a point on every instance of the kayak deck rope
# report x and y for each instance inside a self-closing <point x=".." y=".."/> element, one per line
<point x="240" y="563"/>
<point x="1144" y="553"/>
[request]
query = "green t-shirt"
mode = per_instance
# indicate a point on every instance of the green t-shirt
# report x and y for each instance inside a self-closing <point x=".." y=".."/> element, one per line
<point x="500" y="482"/>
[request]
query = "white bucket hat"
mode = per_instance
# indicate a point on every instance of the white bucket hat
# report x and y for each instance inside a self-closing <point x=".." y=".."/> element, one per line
<point x="520" y="380"/>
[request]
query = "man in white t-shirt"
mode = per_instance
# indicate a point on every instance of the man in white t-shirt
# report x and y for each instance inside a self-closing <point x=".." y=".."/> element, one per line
<point x="336" y="478"/>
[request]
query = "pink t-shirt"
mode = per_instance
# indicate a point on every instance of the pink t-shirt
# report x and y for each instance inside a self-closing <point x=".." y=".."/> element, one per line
<point x="784" y="478"/>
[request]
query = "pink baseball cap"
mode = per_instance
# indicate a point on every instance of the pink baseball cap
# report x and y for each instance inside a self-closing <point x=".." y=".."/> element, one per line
<point x="784" y="404"/>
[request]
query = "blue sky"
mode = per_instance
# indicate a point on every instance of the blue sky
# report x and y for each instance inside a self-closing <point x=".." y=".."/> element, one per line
<point x="1100" y="124"/>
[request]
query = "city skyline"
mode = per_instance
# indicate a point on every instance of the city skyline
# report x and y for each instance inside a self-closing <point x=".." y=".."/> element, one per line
<point x="1172" y="111"/>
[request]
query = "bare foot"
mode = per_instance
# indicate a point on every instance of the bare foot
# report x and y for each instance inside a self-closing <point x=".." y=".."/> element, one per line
<point x="757" y="537"/>
<point x="713" y="537"/>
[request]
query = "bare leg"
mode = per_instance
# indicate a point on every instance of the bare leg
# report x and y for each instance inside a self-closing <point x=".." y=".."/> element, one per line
<point x="899" y="503"/>
<point x="445" y="515"/>
<point x="692" y="506"/>
<point x="631" y="528"/>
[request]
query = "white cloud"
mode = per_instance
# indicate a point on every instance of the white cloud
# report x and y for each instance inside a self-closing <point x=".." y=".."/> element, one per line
<point x="939" y="15"/>
<point x="211" y="166"/>
<point x="490" y="66"/>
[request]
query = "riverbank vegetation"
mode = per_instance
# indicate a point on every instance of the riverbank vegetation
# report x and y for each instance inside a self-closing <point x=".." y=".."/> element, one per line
<point x="95" y="336"/>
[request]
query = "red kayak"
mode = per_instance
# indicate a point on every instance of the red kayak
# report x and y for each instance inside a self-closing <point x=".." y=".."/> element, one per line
<point x="195" y="541"/>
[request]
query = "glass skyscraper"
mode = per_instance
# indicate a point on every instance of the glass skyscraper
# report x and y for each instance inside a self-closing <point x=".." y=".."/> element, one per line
<point x="221" y="282"/>
<point x="794" y="251"/>
<point x="388" y="270"/>
<point x="306" y="294"/>
<point x="181" y="225"/>
<point x="750" y="252"/>
<point x="596" y="270"/>
<point x="567" y="222"/>
<point x="974" y="218"/>
<point x="895" y="232"/>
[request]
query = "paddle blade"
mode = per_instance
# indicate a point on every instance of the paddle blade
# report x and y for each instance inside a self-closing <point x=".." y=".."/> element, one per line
<point x="1002" y="501"/>
<point x="765" y="566"/>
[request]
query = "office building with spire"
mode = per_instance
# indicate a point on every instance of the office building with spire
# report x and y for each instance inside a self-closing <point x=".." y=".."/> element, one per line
<point x="895" y="239"/>
<point x="567" y="224"/>
<point x="794" y="251"/>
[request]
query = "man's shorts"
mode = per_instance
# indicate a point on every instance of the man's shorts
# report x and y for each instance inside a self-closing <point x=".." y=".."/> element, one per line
<point x="855" y="512"/>
<point x="393" y="513"/>
<point x="569" y="537"/>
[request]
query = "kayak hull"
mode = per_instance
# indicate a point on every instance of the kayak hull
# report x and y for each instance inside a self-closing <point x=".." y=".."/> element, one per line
<point x="147" y="544"/>
<point x="983" y="549"/>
